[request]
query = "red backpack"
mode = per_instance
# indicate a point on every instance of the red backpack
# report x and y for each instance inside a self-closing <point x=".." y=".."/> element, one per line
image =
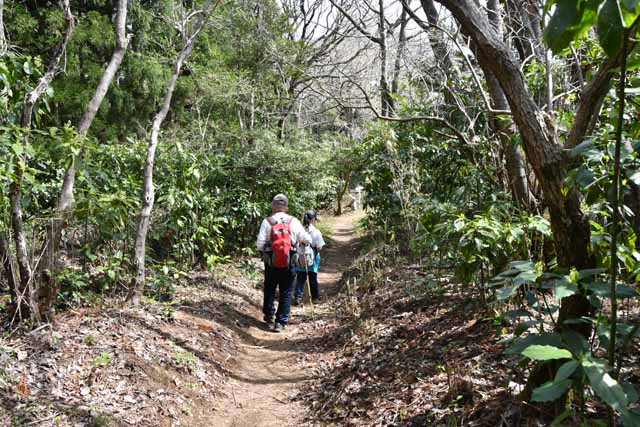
<point x="280" y="242"/>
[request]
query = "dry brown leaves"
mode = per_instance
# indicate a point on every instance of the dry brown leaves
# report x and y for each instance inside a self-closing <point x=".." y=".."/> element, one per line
<point x="158" y="366"/>
<point x="420" y="353"/>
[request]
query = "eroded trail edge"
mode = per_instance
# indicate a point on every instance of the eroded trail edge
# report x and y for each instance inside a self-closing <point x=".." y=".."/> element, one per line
<point x="271" y="368"/>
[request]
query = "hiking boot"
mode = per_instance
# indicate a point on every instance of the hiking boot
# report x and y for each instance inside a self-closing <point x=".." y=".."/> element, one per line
<point x="278" y="327"/>
<point x="317" y="300"/>
<point x="297" y="301"/>
<point x="268" y="319"/>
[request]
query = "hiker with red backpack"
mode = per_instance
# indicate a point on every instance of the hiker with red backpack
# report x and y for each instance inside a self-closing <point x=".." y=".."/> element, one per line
<point x="278" y="237"/>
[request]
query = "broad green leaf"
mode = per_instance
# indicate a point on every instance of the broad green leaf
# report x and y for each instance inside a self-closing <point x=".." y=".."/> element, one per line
<point x="581" y="148"/>
<point x="566" y="370"/>
<point x="631" y="418"/>
<point x="571" y="19"/>
<point x="610" y="27"/>
<point x="585" y="177"/>
<point x="574" y="342"/>
<point x="631" y="392"/>
<point x="518" y="313"/>
<point x="546" y="352"/>
<point x="590" y="272"/>
<point x="604" y="290"/>
<point x="547" y="338"/>
<point x="550" y="391"/>
<point x="506" y="292"/>
<point x="565" y="289"/>
<point x="525" y="277"/>
<point x="607" y="388"/>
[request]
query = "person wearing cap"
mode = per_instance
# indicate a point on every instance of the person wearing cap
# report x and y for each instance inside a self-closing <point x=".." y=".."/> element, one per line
<point x="279" y="278"/>
<point x="317" y="243"/>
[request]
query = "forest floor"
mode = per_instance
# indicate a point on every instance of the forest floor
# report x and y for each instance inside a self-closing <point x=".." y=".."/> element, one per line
<point x="205" y="359"/>
<point x="391" y="344"/>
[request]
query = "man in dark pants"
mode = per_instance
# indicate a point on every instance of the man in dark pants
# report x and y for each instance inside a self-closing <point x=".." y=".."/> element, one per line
<point x="281" y="278"/>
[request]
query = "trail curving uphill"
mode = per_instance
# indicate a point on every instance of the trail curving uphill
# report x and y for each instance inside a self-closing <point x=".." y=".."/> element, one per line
<point x="271" y="368"/>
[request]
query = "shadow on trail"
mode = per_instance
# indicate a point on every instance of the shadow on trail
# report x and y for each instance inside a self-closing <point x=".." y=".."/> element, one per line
<point x="240" y="322"/>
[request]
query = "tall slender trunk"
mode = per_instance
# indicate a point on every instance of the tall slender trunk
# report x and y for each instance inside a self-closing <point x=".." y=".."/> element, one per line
<point x="148" y="192"/>
<point x="7" y="264"/>
<point x="64" y="208"/>
<point x="385" y="96"/>
<point x="27" y="285"/>
<point x="341" y="193"/>
<point x="436" y="38"/>
<point x="402" y="41"/>
<point x="514" y="162"/>
<point x="3" y="40"/>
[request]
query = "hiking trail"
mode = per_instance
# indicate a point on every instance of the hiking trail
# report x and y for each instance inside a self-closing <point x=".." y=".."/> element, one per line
<point x="272" y="367"/>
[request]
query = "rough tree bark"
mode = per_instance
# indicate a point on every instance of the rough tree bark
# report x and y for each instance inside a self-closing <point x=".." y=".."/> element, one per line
<point x="64" y="207"/>
<point x="148" y="191"/>
<point x="569" y="224"/>
<point x="27" y="286"/>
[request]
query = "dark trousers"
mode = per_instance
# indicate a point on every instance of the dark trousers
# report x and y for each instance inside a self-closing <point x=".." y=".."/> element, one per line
<point x="301" y="283"/>
<point x="282" y="279"/>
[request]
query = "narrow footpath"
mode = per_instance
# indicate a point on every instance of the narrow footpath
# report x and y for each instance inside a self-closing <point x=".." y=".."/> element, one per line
<point x="271" y="368"/>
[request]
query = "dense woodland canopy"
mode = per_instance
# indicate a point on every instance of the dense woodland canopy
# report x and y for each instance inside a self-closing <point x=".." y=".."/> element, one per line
<point x="497" y="144"/>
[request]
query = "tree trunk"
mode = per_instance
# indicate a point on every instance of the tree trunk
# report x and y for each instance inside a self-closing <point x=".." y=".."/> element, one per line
<point x="438" y="44"/>
<point x="64" y="208"/>
<point x="516" y="174"/>
<point x="402" y="41"/>
<point x="570" y="226"/>
<point x="3" y="40"/>
<point x="385" y="95"/>
<point x="148" y="192"/>
<point x="27" y="285"/>
<point x="7" y="264"/>
<point x="341" y="193"/>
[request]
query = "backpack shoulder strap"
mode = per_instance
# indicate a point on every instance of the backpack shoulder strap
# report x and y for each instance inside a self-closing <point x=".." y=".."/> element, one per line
<point x="288" y="220"/>
<point x="272" y="221"/>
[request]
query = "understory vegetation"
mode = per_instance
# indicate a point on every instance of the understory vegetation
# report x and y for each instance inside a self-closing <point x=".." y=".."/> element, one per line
<point x="496" y="145"/>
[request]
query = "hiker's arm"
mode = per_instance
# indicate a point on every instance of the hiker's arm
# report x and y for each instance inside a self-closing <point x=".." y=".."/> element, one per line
<point x="263" y="235"/>
<point x="318" y="241"/>
<point x="301" y="235"/>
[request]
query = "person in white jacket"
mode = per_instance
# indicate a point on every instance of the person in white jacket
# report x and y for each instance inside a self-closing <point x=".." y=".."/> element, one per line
<point x="317" y="243"/>
<point x="285" y="231"/>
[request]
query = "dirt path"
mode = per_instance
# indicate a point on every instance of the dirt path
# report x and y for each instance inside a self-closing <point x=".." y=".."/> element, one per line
<point x="272" y="367"/>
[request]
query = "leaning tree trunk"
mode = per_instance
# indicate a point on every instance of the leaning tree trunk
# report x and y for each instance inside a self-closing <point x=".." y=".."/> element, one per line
<point x="385" y="94"/>
<point x="148" y="193"/>
<point x="570" y="225"/>
<point x="27" y="287"/>
<point x="64" y="208"/>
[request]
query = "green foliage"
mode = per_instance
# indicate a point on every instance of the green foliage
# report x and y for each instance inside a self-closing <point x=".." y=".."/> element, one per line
<point x="583" y="368"/>
<point x="573" y="18"/>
